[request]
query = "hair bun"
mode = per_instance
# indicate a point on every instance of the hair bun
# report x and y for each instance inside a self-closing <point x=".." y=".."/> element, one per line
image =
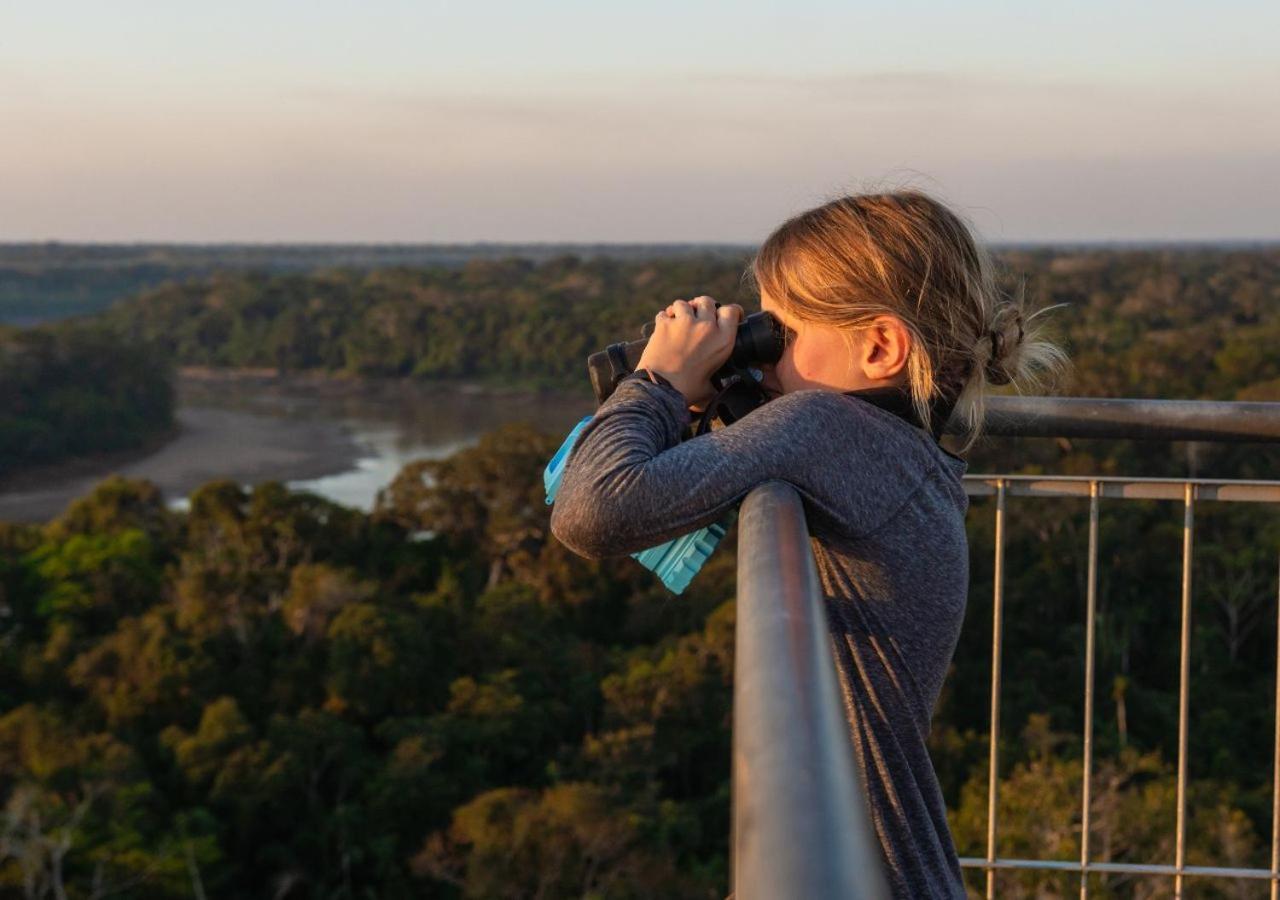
<point x="1001" y="349"/>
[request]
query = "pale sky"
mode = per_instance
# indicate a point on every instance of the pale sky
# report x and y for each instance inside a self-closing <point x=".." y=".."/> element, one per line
<point x="439" y="120"/>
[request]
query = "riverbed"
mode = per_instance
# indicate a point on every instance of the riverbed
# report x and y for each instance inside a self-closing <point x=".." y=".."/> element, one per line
<point x="343" y="439"/>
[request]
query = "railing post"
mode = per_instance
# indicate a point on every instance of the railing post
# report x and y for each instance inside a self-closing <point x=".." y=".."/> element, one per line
<point x="997" y="647"/>
<point x="1275" y="766"/>
<point x="801" y="827"/>
<point x="1090" y="654"/>
<point x="1184" y="690"/>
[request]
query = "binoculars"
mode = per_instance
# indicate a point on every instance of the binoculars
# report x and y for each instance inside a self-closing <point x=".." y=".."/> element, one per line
<point x="761" y="338"/>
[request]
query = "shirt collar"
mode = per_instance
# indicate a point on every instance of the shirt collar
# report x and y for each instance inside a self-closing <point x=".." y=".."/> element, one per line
<point x="897" y="400"/>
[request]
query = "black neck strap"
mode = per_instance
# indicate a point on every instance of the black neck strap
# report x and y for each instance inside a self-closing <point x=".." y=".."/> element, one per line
<point x="898" y="401"/>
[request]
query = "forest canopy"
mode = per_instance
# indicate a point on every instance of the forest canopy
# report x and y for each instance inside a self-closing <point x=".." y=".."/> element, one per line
<point x="271" y="693"/>
<point x="76" y="390"/>
<point x="1161" y="323"/>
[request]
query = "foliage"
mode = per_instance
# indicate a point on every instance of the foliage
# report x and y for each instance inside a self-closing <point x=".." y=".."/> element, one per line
<point x="1171" y="323"/>
<point x="271" y="694"/>
<point x="1132" y="811"/>
<point x="78" y="390"/>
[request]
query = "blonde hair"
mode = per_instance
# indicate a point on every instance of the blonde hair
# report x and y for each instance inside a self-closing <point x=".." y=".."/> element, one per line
<point x="906" y="255"/>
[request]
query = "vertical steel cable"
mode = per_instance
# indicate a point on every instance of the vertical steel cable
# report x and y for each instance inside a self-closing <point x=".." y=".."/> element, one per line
<point x="1184" y="684"/>
<point x="1275" y="766"/>
<point x="997" y="644"/>
<point x="1090" y="629"/>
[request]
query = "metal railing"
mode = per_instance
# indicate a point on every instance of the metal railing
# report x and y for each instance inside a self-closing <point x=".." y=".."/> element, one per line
<point x="801" y="827"/>
<point x="1121" y="419"/>
<point x="800" y="822"/>
<point x="1167" y="420"/>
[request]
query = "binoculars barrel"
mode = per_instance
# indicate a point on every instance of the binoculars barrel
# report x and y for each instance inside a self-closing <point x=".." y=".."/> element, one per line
<point x="761" y="338"/>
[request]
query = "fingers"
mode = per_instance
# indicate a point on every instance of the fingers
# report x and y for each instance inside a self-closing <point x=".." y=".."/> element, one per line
<point x="704" y="307"/>
<point x="731" y="312"/>
<point x="699" y="309"/>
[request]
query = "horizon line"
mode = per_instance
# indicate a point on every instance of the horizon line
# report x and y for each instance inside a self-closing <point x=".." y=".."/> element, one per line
<point x="372" y="244"/>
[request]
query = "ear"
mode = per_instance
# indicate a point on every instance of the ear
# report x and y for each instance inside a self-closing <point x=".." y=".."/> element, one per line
<point x="886" y="342"/>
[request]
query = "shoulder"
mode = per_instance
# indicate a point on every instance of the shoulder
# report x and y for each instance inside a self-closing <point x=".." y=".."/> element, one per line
<point x="865" y="462"/>
<point x="828" y="406"/>
<point x="855" y="424"/>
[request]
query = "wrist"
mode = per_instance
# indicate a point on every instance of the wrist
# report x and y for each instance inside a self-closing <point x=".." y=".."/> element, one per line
<point x="677" y="379"/>
<point x="654" y="377"/>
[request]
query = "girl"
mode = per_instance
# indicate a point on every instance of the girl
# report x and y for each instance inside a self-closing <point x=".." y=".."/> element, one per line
<point x="896" y="323"/>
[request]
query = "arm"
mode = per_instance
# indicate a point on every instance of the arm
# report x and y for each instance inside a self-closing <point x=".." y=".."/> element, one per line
<point x="630" y="484"/>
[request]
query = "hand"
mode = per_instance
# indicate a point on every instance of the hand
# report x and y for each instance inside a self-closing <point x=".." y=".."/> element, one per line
<point x="690" y="342"/>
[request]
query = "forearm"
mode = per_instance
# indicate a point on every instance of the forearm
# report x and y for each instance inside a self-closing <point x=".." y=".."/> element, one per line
<point x="631" y="483"/>
<point x="618" y="494"/>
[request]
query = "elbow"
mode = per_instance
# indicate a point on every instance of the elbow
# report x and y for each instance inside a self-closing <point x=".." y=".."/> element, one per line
<point x="577" y="530"/>
<point x="594" y="516"/>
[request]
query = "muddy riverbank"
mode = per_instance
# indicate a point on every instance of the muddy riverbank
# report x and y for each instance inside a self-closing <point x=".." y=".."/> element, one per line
<point x="343" y="438"/>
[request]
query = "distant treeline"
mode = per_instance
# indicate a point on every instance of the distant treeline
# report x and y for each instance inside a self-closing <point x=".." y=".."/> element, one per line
<point x="511" y="320"/>
<point x="45" y="281"/>
<point x="1194" y="323"/>
<point x="78" y="390"/>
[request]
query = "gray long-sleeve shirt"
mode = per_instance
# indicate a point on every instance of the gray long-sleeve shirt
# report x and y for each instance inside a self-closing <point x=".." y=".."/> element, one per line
<point x="885" y="507"/>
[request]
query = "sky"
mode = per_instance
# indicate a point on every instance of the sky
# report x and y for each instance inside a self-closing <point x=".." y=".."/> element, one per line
<point x="436" y="120"/>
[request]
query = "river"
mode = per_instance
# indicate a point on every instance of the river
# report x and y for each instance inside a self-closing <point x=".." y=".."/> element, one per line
<point x="344" y="440"/>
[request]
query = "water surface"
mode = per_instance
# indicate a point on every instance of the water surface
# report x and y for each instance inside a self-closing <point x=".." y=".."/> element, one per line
<point x="343" y="440"/>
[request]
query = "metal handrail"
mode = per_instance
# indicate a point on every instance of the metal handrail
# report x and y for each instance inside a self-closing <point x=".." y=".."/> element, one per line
<point x="1168" y="420"/>
<point x="801" y="826"/>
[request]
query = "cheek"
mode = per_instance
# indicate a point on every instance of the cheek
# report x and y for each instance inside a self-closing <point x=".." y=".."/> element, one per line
<point x="814" y="360"/>
<point x="805" y="359"/>
<point x="797" y="366"/>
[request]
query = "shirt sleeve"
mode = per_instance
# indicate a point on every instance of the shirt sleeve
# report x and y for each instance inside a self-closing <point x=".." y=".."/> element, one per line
<point x="630" y="483"/>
